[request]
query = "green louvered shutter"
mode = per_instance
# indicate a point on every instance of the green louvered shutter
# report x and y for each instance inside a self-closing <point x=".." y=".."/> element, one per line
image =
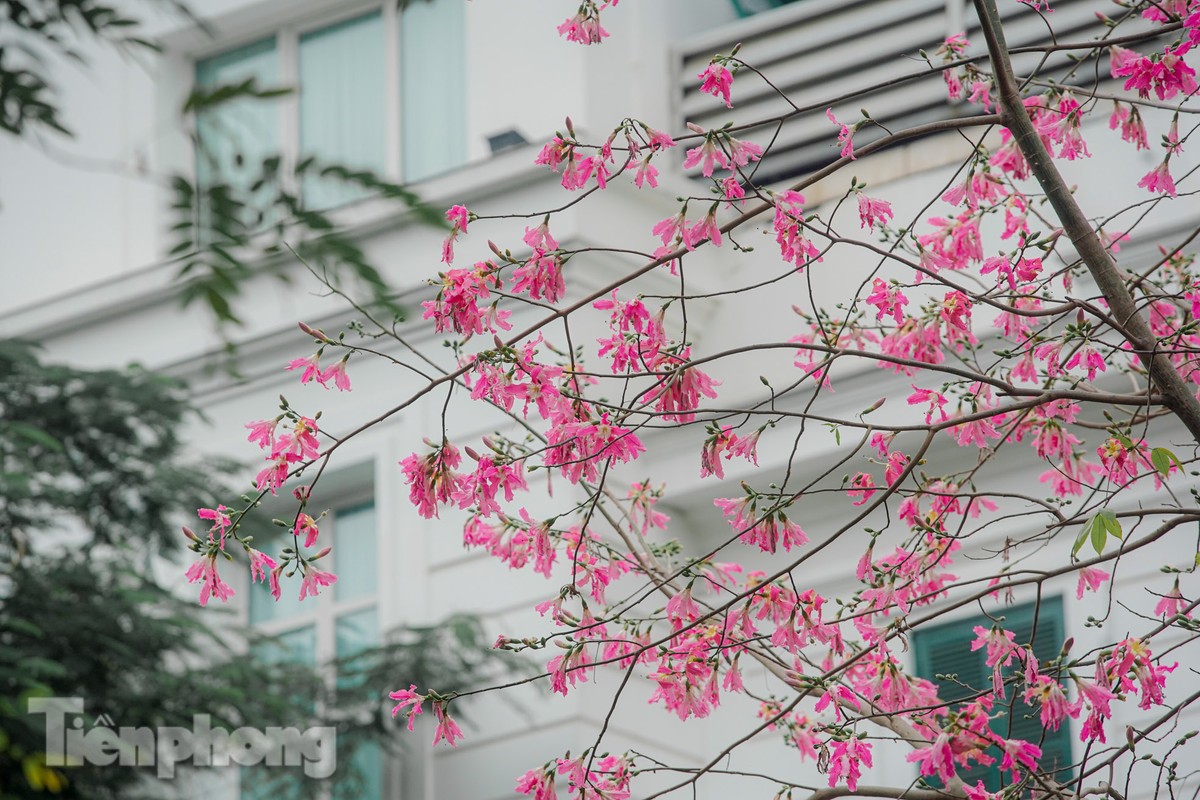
<point x="945" y="650"/>
<point x="944" y="656"/>
<point x="1026" y="722"/>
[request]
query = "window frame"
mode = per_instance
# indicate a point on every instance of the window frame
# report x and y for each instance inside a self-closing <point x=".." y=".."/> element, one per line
<point x="323" y="612"/>
<point x="287" y="48"/>
<point x="326" y="607"/>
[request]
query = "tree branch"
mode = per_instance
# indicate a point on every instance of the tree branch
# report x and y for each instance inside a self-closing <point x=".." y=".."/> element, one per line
<point x="1177" y="395"/>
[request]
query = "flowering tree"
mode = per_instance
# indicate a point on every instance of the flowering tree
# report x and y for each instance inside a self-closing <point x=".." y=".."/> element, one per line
<point x="1011" y="338"/>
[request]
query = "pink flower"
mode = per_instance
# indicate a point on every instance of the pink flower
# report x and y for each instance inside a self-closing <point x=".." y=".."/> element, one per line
<point x="204" y="572"/>
<point x="936" y="401"/>
<point x="863" y="487"/>
<point x="734" y="193"/>
<point x="432" y="479"/>
<point x="221" y="523"/>
<point x="889" y="299"/>
<point x="310" y="365"/>
<point x="539" y="783"/>
<point x="873" y="212"/>
<point x="705" y="229"/>
<point x="708" y="155"/>
<point x="743" y="152"/>
<point x="1053" y="700"/>
<point x="408" y="697"/>
<point x="1172" y="604"/>
<point x="646" y="173"/>
<point x="306" y="526"/>
<point x="458" y="216"/>
<point x="314" y="578"/>
<point x="1159" y="179"/>
<point x="583" y="28"/>
<point x="1001" y="648"/>
<point x="936" y="759"/>
<point x="262" y="432"/>
<point x="541" y="276"/>
<point x="447" y="728"/>
<point x="1017" y="751"/>
<point x="337" y="374"/>
<point x="845" y="135"/>
<point x="260" y="564"/>
<point x="682" y="609"/>
<point x="273" y="475"/>
<point x="716" y="80"/>
<point x="848" y="758"/>
<point x="457" y="304"/>
<point x="1088" y="357"/>
<point x="1090" y="578"/>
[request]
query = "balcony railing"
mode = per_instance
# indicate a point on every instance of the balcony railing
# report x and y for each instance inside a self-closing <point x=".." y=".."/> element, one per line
<point x="818" y="50"/>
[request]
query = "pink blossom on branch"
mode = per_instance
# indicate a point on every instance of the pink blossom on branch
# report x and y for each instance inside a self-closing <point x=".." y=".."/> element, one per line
<point x="716" y="80"/>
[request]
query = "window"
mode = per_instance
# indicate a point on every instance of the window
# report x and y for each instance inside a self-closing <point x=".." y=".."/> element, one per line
<point x="946" y="650"/>
<point x="379" y="91"/>
<point x="338" y="623"/>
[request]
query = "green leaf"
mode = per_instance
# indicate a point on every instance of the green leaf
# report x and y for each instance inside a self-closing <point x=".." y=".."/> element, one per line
<point x="1080" y="540"/>
<point x="1111" y="524"/>
<point x="35" y="434"/>
<point x="1099" y="535"/>
<point x="1162" y="459"/>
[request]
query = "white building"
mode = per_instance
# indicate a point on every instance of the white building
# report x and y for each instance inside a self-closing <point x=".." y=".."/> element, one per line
<point x="415" y="95"/>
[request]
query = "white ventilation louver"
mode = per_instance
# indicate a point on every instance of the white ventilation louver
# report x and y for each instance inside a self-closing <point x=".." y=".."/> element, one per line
<point x="816" y="50"/>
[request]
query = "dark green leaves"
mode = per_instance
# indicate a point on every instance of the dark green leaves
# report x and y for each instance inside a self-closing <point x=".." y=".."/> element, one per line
<point x="202" y="99"/>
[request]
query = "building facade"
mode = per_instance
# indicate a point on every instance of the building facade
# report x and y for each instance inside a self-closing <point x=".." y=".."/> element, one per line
<point x="454" y="99"/>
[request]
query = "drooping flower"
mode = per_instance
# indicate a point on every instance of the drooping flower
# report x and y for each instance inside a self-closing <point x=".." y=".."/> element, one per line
<point x="432" y="478"/>
<point x="204" y="572"/>
<point x="845" y="135"/>
<point x="1090" y="578"/>
<point x="446" y="728"/>
<point x="848" y="759"/>
<point x="314" y="578"/>
<point x="716" y="80"/>
<point x="1172" y="604"/>
<point x="872" y="211"/>
<point x="337" y="374"/>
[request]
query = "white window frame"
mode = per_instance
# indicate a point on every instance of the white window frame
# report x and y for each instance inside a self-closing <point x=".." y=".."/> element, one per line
<point x="326" y="608"/>
<point x="287" y="48"/>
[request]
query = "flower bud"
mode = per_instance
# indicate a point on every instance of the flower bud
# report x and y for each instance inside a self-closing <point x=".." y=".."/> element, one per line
<point x="313" y="332"/>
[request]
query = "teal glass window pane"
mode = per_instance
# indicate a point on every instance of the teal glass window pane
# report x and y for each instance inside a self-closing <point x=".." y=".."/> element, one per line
<point x="355" y="552"/>
<point x="946" y="650"/>
<point x="342" y="104"/>
<point x="234" y="137"/>
<point x="262" y="783"/>
<point x="364" y="777"/>
<point x="263" y="606"/>
<point x="297" y="646"/>
<point x="357" y="631"/>
<point x="354" y="633"/>
<point x="433" y="81"/>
